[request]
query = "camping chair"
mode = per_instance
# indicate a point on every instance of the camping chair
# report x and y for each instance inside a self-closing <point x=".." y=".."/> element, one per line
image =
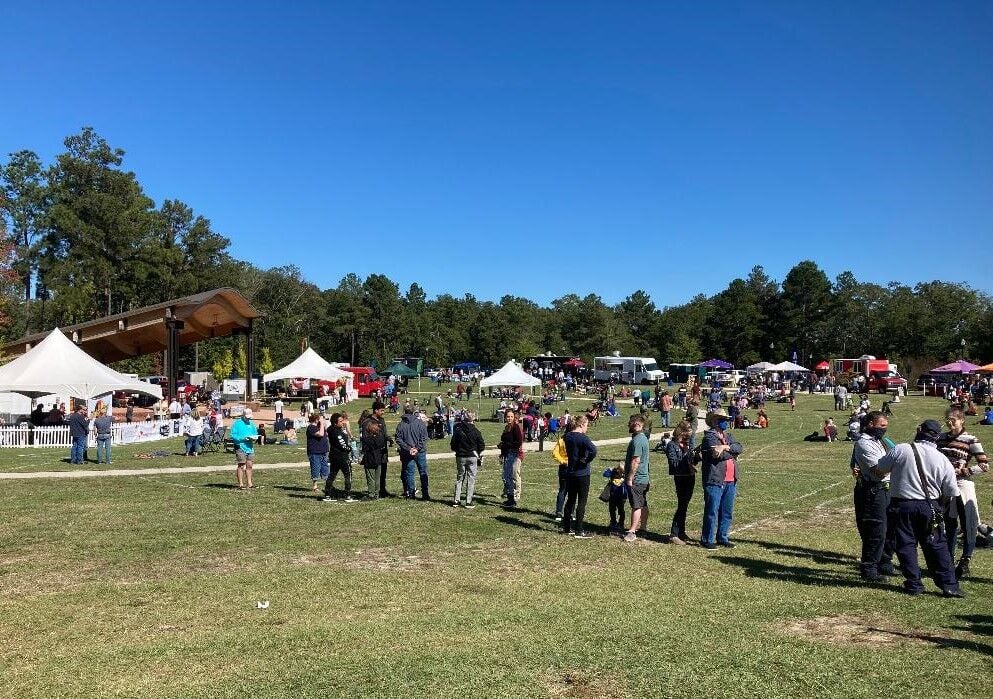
<point x="212" y="440"/>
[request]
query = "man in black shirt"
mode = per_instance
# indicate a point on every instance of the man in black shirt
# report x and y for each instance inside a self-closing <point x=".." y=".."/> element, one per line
<point x="79" y="428"/>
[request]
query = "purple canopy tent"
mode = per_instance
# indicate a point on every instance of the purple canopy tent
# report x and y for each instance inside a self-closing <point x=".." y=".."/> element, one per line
<point x="717" y="364"/>
<point x="959" y="367"/>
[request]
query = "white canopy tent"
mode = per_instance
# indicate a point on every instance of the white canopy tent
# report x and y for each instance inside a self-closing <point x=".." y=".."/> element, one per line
<point x="311" y="365"/>
<point x="788" y="366"/>
<point x="761" y="366"/>
<point x="511" y="374"/>
<point x="57" y="366"/>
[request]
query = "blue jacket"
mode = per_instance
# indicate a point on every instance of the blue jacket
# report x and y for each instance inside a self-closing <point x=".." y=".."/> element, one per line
<point x="581" y="451"/>
<point x="680" y="460"/>
<point x="411" y="433"/>
<point x="715" y="467"/>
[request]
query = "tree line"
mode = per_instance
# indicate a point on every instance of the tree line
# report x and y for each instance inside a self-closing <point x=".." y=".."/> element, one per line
<point x="81" y="239"/>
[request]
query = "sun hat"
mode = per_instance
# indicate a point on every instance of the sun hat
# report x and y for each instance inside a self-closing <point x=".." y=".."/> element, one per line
<point x="714" y="415"/>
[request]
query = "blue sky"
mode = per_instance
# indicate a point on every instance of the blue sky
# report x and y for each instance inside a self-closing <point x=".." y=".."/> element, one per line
<point x="537" y="148"/>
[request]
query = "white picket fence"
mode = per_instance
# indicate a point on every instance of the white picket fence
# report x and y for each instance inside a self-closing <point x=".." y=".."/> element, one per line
<point x="19" y="437"/>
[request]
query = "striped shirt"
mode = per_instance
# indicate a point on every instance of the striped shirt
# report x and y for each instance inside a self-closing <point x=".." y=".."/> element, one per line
<point x="960" y="449"/>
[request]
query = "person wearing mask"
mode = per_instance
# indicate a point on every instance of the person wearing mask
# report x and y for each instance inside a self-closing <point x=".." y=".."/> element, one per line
<point x="103" y="424"/>
<point x="719" y="476"/>
<point x="922" y="482"/>
<point x="340" y="459"/>
<point x="637" y="476"/>
<point x="467" y="443"/>
<point x="243" y="434"/>
<point x="412" y="443"/>
<point x="511" y="456"/>
<point x="580" y="451"/>
<point x="872" y="498"/>
<point x="683" y="472"/>
<point x="961" y="447"/>
<point x="79" y="430"/>
<point x="317" y="450"/>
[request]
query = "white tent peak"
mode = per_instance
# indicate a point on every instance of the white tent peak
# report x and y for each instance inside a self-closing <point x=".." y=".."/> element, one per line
<point x="510" y="374"/>
<point x="58" y="365"/>
<point x="309" y="365"/>
<point x="788" y="366"/>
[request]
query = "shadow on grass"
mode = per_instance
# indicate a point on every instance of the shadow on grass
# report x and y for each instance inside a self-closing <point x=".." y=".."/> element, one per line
<point x="940" y="641"/>
<point x="518" y="522"/>
<point x="818" y="577"/>
<point x="222" y="486"/>
<point x="816" y="555"/>
<point x="293" y="488"/>
<point x="978" y="624"/>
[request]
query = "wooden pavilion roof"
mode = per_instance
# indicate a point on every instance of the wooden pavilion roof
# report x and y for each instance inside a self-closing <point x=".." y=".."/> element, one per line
<point x="206" y="315"/>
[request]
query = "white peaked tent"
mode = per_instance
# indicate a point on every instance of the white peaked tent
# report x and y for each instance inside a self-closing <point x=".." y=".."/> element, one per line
<point x="511" y="374"/>
<point x="56" y="365"/>
<point x="761" y="366"/>
<point x="311" y="365"/>
<point x="788" y="366"/>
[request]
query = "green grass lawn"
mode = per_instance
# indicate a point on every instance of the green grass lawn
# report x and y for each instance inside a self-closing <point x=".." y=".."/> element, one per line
<point x="148" y="586"/>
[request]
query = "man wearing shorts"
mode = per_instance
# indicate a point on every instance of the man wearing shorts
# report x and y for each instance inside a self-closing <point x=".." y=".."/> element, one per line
<point x="636" y="472"/>
<point x="243" y="434"/>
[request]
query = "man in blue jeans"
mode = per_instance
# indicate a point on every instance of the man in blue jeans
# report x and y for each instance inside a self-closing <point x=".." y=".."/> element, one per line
<point x="412" y="445"/>
<point x="79" y="429"/>
<point x="720" y="480"/>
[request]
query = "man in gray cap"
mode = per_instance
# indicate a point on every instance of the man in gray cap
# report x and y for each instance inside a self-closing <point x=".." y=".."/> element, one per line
<point x="922" y="481"/>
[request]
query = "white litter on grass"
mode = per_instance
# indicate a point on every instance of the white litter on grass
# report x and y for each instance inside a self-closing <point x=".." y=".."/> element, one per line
<point x="262" y="604"/>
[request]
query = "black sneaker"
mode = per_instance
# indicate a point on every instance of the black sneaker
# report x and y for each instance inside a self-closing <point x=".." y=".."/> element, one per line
<point x="957" y="594"/>
<point x="470" y="505"/>
<point x="887" y="570"/>
<point x="873" y="577"/>
<point x="726" y="544"/>
<point x="709" y="547"/>
<point x="581" y="534"/>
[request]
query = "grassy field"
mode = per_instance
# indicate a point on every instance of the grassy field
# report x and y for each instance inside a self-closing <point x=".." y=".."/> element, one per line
<point x="148" y="586"/>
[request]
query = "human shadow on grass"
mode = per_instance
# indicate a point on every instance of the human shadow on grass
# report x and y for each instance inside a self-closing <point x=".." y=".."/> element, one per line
<point x="293" y="488"/>
<point x="816" y="555"/>
<point x="804" y="575"/>
<point x="978" y="624"/>
<point x="518" y="522"/>
<point x="222" y="486"/>
<point x="940" y="641"/>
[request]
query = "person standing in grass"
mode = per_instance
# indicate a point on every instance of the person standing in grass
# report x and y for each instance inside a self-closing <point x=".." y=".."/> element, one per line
<point x="193" y="429"/>
<point x="341" y="458"/>
<point x="79" y="430"/>
<point x="683" y="472"/>
<point x="922" y="482"/>
<point x="412" y="445"/>
<point x="378" y="412"/>
<point x="103" y="424"/>
<point x="317" y="450"/>
<point x="581" y="452"/>
<point x="243" y="434"/>
<point x="374" y="455"/>
<point x="960" y="447"/>
<point x="720" y="480"/>
<point x="665" y="407"/>
<point x="637" y="473"/>
<point x="872" y="498"/>
<point x="512" y="456"/>
<point x="467" y="443"/>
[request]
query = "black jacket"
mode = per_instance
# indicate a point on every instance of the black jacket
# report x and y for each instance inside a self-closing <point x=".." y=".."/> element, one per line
<point x="467" y="439"/>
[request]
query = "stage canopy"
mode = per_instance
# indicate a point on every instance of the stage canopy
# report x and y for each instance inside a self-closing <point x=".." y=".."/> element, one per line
<point x="57" y="366"/>
<point x="511" y="374"/>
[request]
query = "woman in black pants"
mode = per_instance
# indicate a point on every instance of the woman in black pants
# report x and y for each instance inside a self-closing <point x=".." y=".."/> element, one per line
<point x="581" y="452"/>
<point x="680" y="454"/>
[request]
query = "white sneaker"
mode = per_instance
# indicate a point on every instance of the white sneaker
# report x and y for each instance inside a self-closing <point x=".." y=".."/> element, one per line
<point x="349" y="499"/>
<point x="630" y="536"/>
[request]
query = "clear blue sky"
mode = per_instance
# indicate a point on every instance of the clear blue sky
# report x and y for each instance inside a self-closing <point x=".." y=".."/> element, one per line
<point x="538" y="148"/>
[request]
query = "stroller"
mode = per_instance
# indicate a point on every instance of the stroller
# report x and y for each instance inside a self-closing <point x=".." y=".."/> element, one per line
<point x="436" y="427"/>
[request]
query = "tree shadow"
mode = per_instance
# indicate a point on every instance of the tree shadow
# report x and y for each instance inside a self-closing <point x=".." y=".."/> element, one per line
<point x="816" y="555"/>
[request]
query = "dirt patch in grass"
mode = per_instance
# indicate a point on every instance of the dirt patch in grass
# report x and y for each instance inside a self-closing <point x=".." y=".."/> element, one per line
<point x="848" y="629"/>
<point x="377" y="559"/>
<point x="579" y="684"/>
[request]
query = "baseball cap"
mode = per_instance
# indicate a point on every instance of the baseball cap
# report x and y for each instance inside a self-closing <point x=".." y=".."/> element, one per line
<point x="247" y="413"/>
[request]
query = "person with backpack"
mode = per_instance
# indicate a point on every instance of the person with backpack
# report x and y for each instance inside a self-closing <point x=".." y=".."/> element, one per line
<point x="467" y="443"/>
